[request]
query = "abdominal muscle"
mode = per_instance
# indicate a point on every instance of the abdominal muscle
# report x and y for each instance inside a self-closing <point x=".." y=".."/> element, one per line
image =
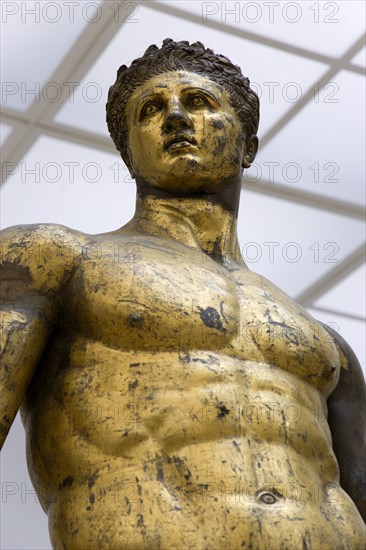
<point x="191" y="450"/>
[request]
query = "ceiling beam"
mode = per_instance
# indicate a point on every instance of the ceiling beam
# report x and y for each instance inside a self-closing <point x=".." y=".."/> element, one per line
<point x="236" y="30"/>
<point x="73" y="67"/>
<point x="309" y="95"/>
<point x="333" y="277"/>
<point x="313" y="200"/>
<point x="327" y="311"/>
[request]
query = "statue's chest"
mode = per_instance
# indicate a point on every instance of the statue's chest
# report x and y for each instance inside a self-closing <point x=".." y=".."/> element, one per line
<point x="158" y="297"/>
<point x="154" y="297"/>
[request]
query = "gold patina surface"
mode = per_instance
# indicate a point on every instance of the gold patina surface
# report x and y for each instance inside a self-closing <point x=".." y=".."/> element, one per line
<point x="173" y="398"/>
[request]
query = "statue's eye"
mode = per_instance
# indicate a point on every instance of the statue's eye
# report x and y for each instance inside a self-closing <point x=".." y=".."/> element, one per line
<point x="197" y="101"/>
<point x="268" y="498"/>
<point x="149" y="109"/>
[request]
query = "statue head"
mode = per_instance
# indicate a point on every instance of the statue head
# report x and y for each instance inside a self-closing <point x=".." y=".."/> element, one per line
<point x="179" y="56"/>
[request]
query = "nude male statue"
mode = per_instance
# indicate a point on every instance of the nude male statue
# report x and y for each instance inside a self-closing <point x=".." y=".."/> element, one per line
<point x="171" y="397"/>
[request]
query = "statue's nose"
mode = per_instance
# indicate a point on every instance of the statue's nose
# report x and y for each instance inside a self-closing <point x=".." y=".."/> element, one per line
<point x="176" y="118"/>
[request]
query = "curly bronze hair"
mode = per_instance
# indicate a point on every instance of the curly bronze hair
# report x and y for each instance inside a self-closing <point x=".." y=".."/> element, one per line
<point x="179" y="56"/>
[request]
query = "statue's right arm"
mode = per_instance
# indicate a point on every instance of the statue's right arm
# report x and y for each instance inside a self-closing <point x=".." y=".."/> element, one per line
<point x="35" y="266"/>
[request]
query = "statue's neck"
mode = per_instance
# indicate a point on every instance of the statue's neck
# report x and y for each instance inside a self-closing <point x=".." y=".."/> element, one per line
<point x="195" y="221"/>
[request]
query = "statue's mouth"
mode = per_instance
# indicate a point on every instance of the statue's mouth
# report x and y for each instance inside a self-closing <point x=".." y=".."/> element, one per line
<point x="179" y="140"/>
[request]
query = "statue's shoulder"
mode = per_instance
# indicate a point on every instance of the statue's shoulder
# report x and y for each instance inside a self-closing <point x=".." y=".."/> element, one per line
<point x="39" y="245"/>
<point x="348" y="360"/>
<point x="270" y="295"/>
<point x="17" y="237"/>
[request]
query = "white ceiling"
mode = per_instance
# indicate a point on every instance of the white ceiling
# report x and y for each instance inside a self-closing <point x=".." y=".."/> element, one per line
<point x="303" y="199"/>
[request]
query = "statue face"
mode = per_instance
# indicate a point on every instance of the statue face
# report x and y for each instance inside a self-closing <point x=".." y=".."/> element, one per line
<point x="183" y="133"/>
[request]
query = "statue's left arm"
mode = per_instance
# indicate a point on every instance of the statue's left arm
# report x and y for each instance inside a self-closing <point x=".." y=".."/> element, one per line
<point x="347" y="422"/>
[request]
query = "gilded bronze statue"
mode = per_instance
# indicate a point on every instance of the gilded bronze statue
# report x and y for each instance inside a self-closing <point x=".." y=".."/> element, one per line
<point x="171" y="397"/>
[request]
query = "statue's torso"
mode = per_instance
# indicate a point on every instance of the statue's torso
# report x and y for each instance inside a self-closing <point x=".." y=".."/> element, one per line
<point x="180" y="402"/>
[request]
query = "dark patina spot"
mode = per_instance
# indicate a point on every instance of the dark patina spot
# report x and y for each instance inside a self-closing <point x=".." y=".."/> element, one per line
<point x="133" y="385"/>
<point x="211" y="317"/>
<point x="218" y="124"/>
<point x="91" y="480"/>
<point x="67" y="482"/>
<point x="136" y="320"/>
<point x="222" y="411"/>
<point x="160" y="471"/>
<point x="140" y="521"/>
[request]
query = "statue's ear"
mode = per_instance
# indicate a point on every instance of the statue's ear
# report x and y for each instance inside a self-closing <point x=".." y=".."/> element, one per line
<point x="129" y="163"/>
<point x="250" y="151"/>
